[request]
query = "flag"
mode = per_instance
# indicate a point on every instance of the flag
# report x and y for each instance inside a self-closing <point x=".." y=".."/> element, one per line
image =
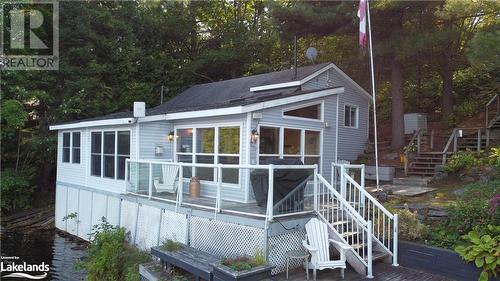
<point x="362" y="23"/>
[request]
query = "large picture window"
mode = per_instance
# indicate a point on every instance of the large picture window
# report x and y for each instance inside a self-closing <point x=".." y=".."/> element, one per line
<point x="301" y="144"/>
<point x="209" y="145"/>
<point x="71" y="147"/>
<point x="109" y="151"/>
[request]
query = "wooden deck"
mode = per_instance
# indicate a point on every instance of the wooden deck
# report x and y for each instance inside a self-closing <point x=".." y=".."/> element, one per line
<point x="382" y="272"/>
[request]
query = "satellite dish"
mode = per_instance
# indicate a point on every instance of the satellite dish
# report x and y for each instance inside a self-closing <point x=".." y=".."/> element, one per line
<point x="311" y="54"/>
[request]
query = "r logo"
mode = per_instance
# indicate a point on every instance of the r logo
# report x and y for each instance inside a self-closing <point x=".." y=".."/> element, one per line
<point x="17" y="29"/>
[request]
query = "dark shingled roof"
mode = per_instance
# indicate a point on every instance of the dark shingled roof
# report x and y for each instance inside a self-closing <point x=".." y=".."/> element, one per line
<point x="227" y="93"/>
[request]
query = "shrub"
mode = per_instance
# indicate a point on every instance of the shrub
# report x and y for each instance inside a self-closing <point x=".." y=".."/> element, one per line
<point x="473" y="209"/>
<point x="16" y="190"/>
<point x="495" y="156"/>
<point x="409" y="227"/>
<point x="110" y="257"/>
<point x="461" y="160"/>
<point x="482" y="246"/>
<point x="171" y="246"/>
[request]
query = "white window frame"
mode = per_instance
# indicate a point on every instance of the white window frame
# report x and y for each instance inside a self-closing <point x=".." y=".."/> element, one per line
<point x="102" y="131"/>
<point x="281" y="154"/>
<point x="70" y="161"/>
<point x="216" y="153"/>
<point x="356" y="125"/>
<point x="322" y="111"/>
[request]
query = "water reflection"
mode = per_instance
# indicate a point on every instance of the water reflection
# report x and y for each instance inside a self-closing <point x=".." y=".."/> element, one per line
<point x="45" y="246"/>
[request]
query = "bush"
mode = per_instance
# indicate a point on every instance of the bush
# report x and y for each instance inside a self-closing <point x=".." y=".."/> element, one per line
<point x="476" y="208"/>
<point x="482" y="246"/>
<point x="461" y="160"/>
<point x="409" y="227"/>
<point x="110" y="257"/>
<point x="171" y="246"/>
<point x="16" y="190"/>
<point x="495" y="156"/>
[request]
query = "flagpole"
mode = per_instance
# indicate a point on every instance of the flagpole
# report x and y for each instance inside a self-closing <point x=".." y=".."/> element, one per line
<point x="373" y="94"/>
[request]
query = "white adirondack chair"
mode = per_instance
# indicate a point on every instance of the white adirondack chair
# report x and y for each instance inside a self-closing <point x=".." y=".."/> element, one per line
<point x="168" y="176"/>
<point x="317" y="243"/>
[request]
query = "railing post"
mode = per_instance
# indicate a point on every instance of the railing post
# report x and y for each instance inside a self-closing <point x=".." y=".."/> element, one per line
<point x="342" y="181"/>
<point x="362" y="197"/>
<point x="479" y="140"/>
<point x="395" y="242"/>
<point x="315" y="189"/>
<point x="369" y="260"/>
<point x="487" y="117"/>
<point x="127" y="162"/>
<point x="432" y="140"/>
<point x="487" y="137"/>
<point x="270" y="193"/>
<point x="418" y="141"/>
<point x="455" y="142"/>
<point x="180" y="188"/>
<point x="406" y="163"/>
<point x="219" y="186"/>
<point x="150" y="186"/>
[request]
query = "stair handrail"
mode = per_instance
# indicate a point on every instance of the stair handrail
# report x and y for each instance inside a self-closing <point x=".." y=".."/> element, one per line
<point x="406" y="151"/>
<point x="497" y="98"/>
<point x="366" y="202"/>
<point x="355" y="218"/>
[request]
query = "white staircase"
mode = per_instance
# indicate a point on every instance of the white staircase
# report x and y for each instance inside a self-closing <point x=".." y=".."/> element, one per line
<point x="356" y="218"/>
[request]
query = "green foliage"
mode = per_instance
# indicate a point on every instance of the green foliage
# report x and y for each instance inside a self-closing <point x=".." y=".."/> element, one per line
<point x="110" y="257"/>
<point x="244" y="263"/>
<point x="409" y="227"/>
<point x="495" y="156"/>
<point x="16" y="190"/>
<point x="461" y="160"/>
<point x="482" y="246"/>
<point x="469" y="211"/>
<point x="13" y="113"/>
<point x="172" y="246"/>
<point x="70" y="216"/>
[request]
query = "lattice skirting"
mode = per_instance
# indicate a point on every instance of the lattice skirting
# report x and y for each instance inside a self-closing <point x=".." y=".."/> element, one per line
<point x="150" y="225"/>
<point x="280" y="244"/>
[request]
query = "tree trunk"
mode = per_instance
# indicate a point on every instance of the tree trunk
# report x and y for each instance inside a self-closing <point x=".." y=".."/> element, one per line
<point x="447" y="99"/>
<point x="398" y="136"/>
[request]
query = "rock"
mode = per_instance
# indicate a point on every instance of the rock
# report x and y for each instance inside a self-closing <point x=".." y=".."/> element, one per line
<point x="468" y="179"/>
<point x="381" y="196"/>
<point x="459" y="192"/>
<point x="437" y="213"/>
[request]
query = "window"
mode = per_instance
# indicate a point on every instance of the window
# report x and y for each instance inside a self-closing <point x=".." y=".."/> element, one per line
<point x="71" y="147"/>
<point x="309" y="112"/>
<point x="109" y="151"/>
<point x="301" y="144"/>
<point x="75" y="140"/>
<point x="66" y="147"/>
<point x="209" y="145"/>
<point x="351" y="116"/>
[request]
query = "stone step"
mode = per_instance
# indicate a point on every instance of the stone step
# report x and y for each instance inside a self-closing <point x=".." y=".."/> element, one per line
<point x="411" y="181"/>
<point x="421" y="173"/>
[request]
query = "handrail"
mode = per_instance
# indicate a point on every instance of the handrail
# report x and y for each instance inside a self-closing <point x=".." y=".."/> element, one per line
<point x="492" y="100"/>
<point x="370" y="197"/>
<point x="342" y="200"/>
<point x="217" y="207"/>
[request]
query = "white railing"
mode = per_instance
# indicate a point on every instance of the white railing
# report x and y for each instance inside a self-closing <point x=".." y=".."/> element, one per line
<point x="384" y="223"/>
<point x="141" y="175"/>
<point x="343" y="219"/>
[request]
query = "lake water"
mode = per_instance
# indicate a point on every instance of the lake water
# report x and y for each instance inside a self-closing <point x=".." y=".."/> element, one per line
<point x="60" y="253"/>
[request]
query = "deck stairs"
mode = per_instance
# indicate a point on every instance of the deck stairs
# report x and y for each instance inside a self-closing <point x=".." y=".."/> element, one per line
<point x="356" y="218"/>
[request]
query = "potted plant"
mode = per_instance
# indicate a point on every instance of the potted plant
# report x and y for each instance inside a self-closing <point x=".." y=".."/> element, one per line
<point x="242" y="268"/>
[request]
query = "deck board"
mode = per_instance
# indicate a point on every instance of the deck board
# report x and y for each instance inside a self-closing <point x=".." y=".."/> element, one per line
<point x="382" y="272"/>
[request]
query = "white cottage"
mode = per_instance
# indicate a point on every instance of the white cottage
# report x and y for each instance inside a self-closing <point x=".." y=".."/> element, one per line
<point x="132" y="170"/>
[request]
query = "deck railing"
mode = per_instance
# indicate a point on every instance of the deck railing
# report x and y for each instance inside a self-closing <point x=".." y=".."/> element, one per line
<point x="384" y="223"/>
<point x="141" y="176"/>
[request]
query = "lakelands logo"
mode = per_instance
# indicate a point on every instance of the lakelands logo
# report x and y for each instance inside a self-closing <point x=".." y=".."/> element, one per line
<point x="29" y="35"/>
<point x="13" y="268"/>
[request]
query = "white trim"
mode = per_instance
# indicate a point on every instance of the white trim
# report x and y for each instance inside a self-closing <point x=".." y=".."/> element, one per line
<point x="275" y="86"/>
<point x="248" y="145"/>
<point x="205" y="113"/>
<point x="356" y="125"/>
<point x="318" y="72"/>
<point x="337" y="132"/>
<point x="106" y="122"/>
<point x="321" y="117"/>
<point x="363" y="91"/>
<point x="102" y="154"/>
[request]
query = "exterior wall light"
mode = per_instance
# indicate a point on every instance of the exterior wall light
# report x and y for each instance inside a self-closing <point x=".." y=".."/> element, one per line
<point x="255" y="136"/>
<point x="171" y="136"/>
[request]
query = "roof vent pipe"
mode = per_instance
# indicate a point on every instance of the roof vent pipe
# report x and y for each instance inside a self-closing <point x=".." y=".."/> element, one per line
<point x="139" y="109"/>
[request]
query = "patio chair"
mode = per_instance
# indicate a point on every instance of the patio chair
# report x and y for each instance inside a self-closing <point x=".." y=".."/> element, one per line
<point x="169" y="175"/>
<point x="317" y="243"/>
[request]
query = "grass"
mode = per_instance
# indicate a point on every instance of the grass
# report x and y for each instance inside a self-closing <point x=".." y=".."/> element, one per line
<point x="171" y="246"/>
